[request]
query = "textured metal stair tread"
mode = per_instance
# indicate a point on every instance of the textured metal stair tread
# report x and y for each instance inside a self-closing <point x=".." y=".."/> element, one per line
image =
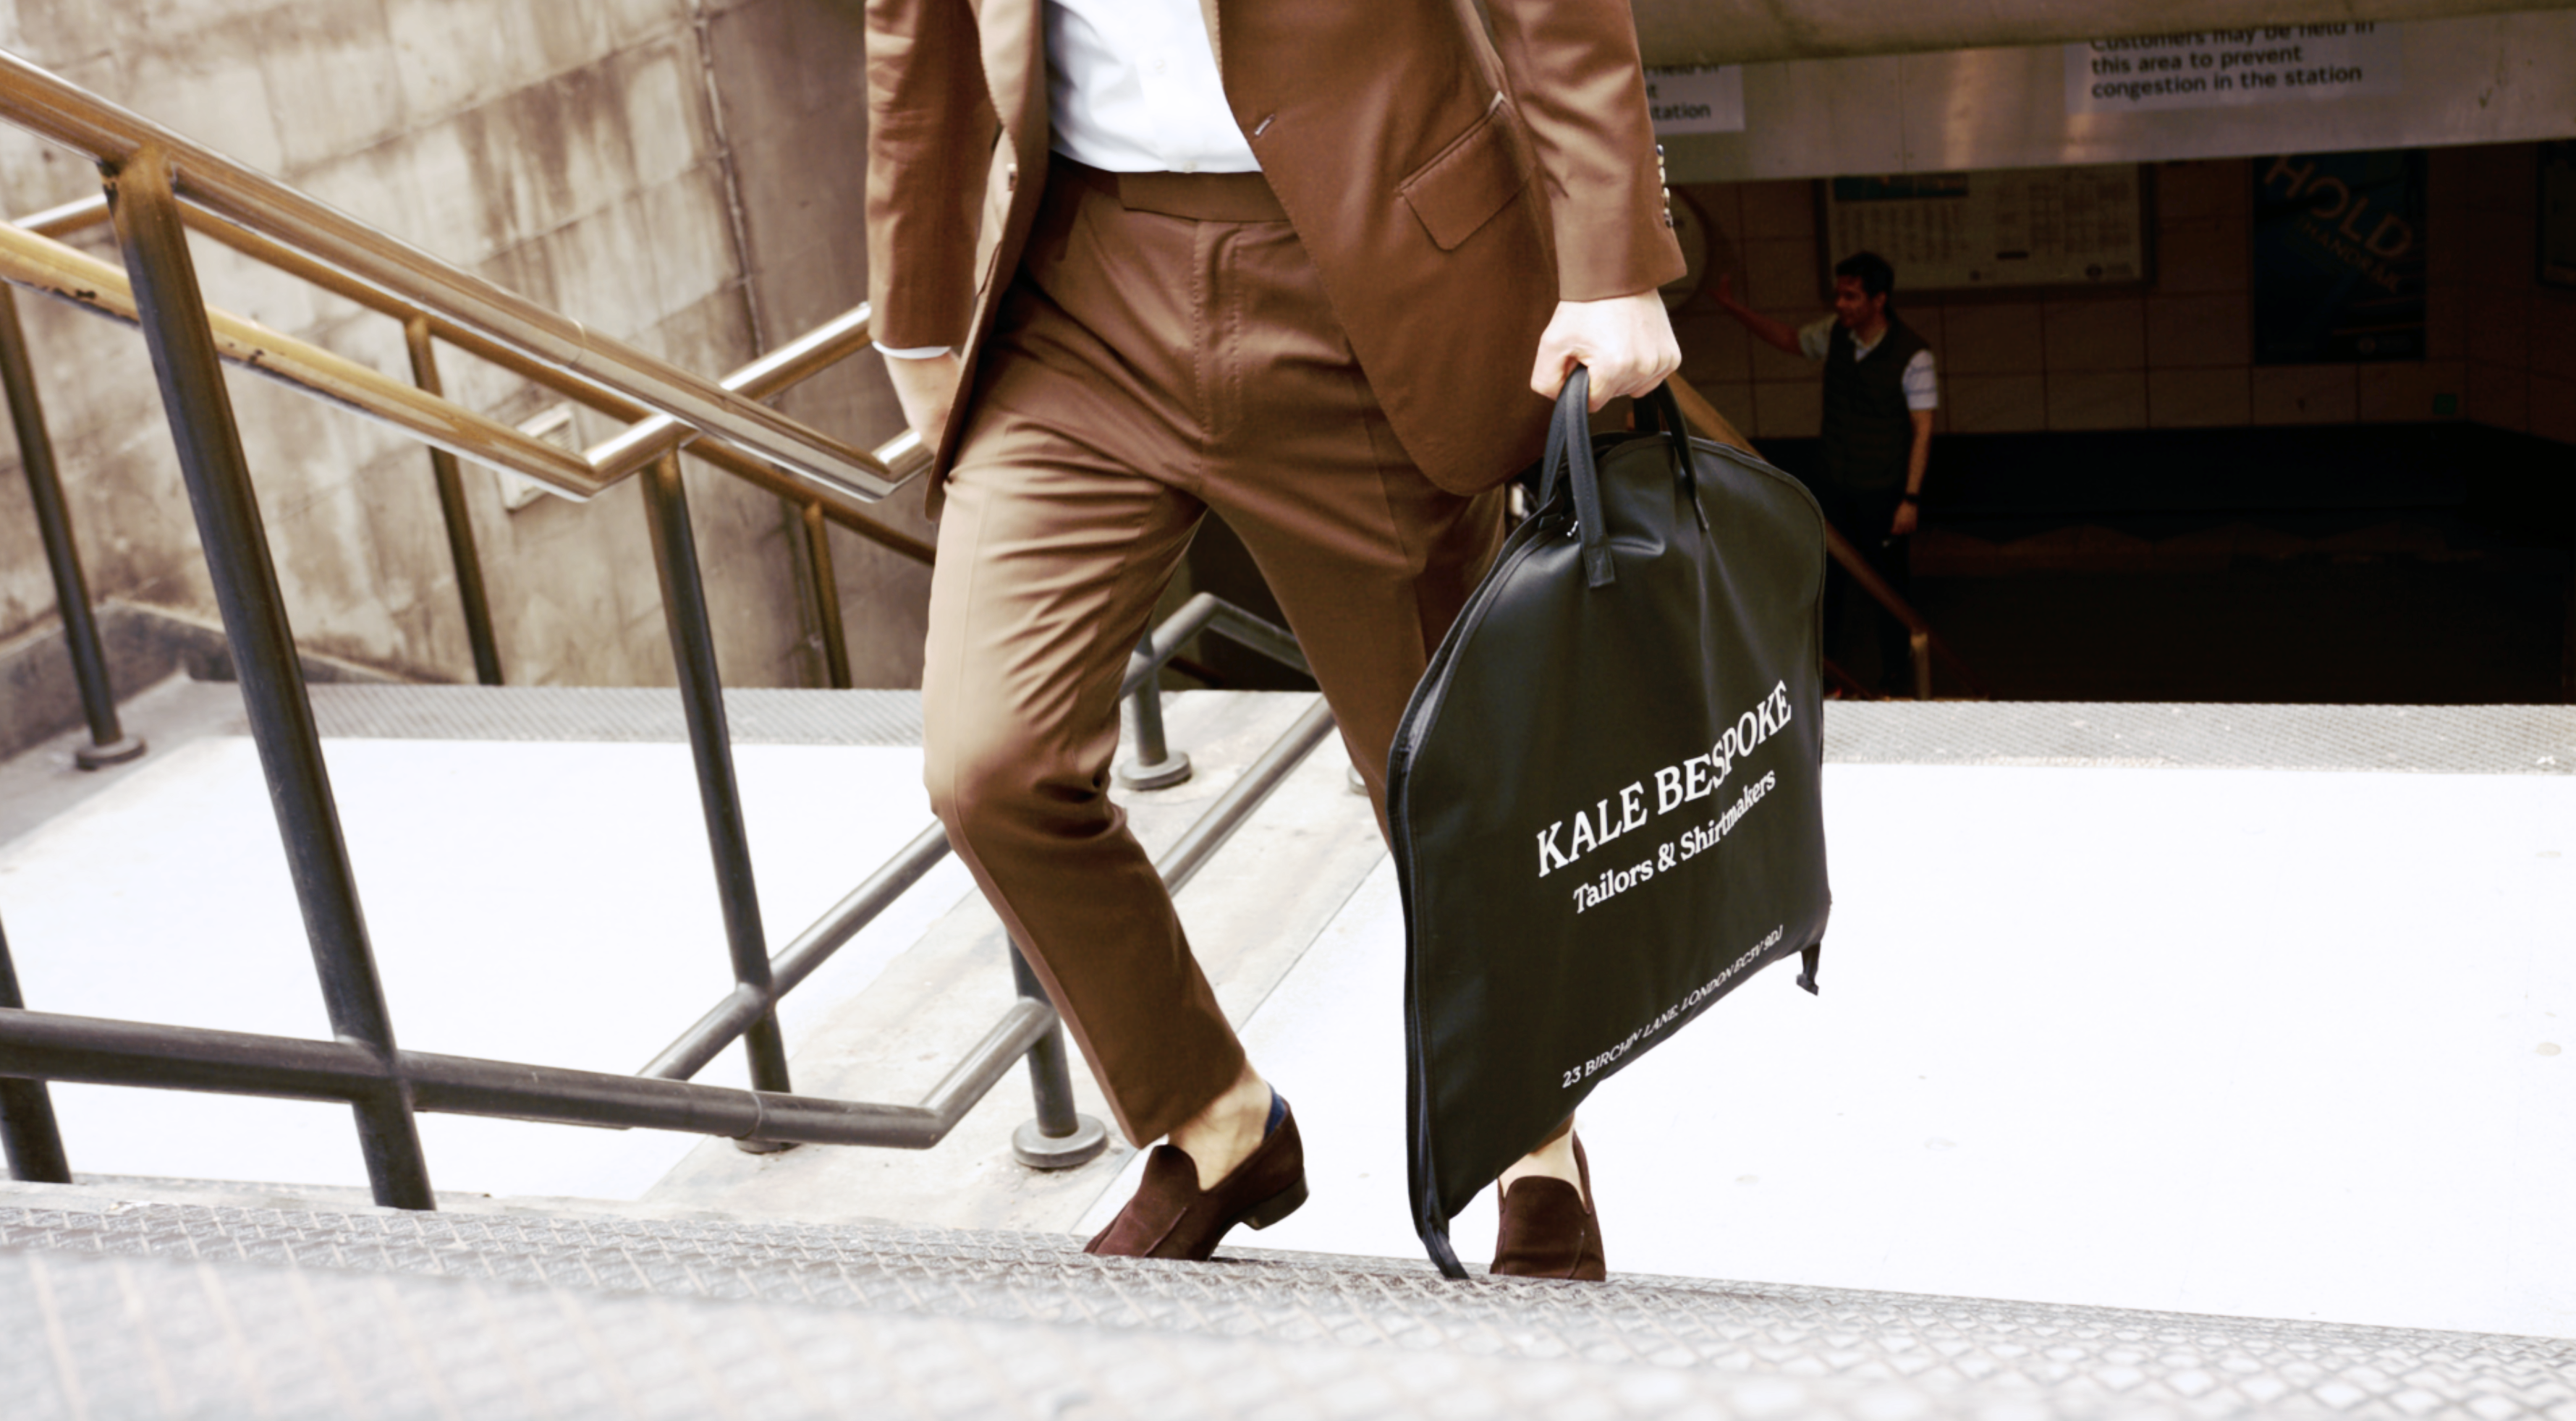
<point x="142" y="1336"/>
<point x="1933" y="1345"/>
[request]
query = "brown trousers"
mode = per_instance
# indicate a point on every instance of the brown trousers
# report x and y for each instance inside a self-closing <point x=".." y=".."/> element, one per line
<point x="1166" y="349"/>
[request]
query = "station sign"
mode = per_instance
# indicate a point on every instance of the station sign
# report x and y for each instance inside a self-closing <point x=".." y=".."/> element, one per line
<point x="2225" y="68"/>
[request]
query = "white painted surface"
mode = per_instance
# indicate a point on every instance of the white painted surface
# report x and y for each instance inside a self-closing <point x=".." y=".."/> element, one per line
<point x="531" y="902"/>
<point x="2242" y="1042"/>
<point x="2245" y="1042"/>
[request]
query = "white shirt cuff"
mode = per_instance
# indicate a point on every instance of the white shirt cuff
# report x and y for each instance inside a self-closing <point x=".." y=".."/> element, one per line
<point x="1815" y="338"/>
<point x="910" y="352"/>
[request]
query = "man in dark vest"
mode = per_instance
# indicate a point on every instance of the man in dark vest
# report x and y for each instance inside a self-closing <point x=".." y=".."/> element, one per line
<point x="1880" y="392"/>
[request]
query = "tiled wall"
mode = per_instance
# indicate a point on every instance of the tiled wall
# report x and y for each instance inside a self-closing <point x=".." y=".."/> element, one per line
<point x="2501" y="347"/>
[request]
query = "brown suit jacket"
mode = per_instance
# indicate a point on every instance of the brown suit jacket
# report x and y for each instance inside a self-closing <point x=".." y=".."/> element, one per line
<point x="1399" y="137"/>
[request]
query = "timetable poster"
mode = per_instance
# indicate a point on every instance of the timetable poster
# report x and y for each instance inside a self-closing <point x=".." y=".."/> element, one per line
<point x="1989" y="231"/>
<point x="2339" y="257"/>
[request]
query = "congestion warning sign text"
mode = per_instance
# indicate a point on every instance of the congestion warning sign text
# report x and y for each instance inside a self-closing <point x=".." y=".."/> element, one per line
<point x="1703" y="98"/>
<point x="2223" y="68"/>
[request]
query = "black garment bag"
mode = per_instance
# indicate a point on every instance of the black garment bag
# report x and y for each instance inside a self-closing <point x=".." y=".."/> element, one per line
<point x="1605" y="793"/>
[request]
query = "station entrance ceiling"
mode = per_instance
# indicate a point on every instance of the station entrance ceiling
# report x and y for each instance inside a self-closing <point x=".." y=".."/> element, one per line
<point x="1831" y="87"/>
<point x="1762" y="31"/>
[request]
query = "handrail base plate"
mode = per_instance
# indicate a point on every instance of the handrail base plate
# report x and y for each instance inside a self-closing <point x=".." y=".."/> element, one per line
<point x="1042" y="1151"/>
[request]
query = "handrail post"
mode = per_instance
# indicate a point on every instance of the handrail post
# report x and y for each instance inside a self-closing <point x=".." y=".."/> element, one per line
<point x="172" y="313"/>
<point x="108" y="742"/>
<point x="693" y="656"/>
<point x="1926" y="643"/>
<point x="29" y="1135"/>
<point x="827" y="593"/>
<point x="1155" y="765"/>
<point x="1060" y="1137"/>
<point x="458" y="517"/>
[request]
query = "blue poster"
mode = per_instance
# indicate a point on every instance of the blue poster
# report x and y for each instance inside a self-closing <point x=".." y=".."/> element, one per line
<point x="2339" y="257"/>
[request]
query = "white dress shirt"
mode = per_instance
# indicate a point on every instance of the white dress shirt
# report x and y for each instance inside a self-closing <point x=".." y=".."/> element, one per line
<point x="1132" y="87"/>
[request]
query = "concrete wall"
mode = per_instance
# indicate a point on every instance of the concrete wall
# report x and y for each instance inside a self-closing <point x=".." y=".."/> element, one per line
<point x="2180" y="354"/>
<point x="684" y="174"/>
<point x="795" y="110"/>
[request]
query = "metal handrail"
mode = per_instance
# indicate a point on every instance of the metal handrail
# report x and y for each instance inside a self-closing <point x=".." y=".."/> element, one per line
<point x="31" y="255"/>
<point x="54" y="108"/>
<point x="904" y="455"/>
<point x="1926" y="642"/>
<point x="53" y="269"/>
<point x="159" y="291"/>
<point x="651" y="437"/>
<point x="63" y="219"/>
<point x="40" y="1046"/>
<point x="31" y="1140"/>
<point x="109" y="744"/>
<point x="148" y="172"/>
<point x="36" y="1046"/>
<point x="729" y="1018"/>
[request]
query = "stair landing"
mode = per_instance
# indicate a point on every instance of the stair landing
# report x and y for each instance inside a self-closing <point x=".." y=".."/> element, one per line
<point x="2255" y="1011"/>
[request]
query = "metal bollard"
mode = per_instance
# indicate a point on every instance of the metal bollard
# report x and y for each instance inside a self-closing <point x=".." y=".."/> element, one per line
<point x="1155" y="765"/>
<point x="109" y="744"/>
<point x="1060" y="1137"/>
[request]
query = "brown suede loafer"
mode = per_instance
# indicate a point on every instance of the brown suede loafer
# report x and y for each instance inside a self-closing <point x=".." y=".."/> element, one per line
<point x="1171" y="1217"/>
<point x="1549" y="1229"/>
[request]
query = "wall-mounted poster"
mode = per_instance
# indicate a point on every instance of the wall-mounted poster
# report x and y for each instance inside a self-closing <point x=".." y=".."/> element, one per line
<point x="2558" y="213"/>
<point x="2026" y="227"/>
<point x="2339" y="257"/>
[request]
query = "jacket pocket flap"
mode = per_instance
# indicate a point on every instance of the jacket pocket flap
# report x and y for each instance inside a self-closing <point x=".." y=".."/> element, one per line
<point x="1469" y="181"/>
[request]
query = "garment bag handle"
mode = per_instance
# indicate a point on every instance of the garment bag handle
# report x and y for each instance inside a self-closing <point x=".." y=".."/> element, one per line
<point x="1658" y="412"/>
<point x="1569" y="446"/>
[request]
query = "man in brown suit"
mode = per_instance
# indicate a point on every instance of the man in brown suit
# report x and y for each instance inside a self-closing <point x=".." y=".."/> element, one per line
<point x="1318" y="265"/>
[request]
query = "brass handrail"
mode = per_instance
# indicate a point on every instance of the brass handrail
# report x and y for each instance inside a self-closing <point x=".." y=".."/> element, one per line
<point x="1926" y="642"/>
<point x="655" y="435"/>
<point x="53" y="108"/>
<point x="67" y="218"/>
<point x="65" y="272"/>
<point x="53" y="269"/>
